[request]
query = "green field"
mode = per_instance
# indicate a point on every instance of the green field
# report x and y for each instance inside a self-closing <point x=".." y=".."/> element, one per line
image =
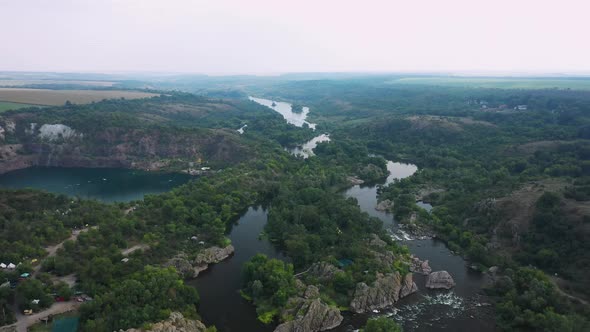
<point x="6" y="105"/>
<point x="500" y="82"/>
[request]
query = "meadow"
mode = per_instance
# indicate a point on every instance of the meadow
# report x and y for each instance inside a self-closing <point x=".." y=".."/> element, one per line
<point x="5" y="106"/>
<point x="59" y="97"/>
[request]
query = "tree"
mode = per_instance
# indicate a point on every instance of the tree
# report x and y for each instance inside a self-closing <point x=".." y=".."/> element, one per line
<point x="382" y="324"/>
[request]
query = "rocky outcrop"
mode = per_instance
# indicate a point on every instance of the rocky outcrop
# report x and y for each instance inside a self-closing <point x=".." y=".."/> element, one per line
<point x="408" y="286"/>
<point x="322" y="271"/>
<point x="376" y="241"/>
<point x="183" y="266"/>
<point x="354" y="180"/>
<point x="210" y="256"/>
<point x="176" y="323"/>
<point x="385" y="205"/>
<point x="385" y="259"/>
<point x="384" y="292"/>
<point x="440" y="279"/>
<point x="418" y="266"/>
<point x="310" y="314"/>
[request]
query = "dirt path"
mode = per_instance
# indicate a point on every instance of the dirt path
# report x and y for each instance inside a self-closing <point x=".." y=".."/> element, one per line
<point x="24" y="322"/>
<point x="52" y="250"/>
<point x="556" y="281"/>
<point x="141" y="246"/>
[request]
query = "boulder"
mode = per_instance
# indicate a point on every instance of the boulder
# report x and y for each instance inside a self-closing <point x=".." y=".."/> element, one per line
<point x="440" y="279"/>
<point x="418" y="266"/>
<point x="385" y="205"/>
<point x="384" y="292"/>
<point x="176" y="323"/>
<point x="310" y="314"/>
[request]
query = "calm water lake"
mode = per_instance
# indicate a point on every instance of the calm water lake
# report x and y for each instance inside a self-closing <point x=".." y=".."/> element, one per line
<point x="104" y="184"/>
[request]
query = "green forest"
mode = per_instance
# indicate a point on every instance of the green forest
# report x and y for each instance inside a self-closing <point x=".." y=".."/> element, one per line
<point x="510" y="189"/>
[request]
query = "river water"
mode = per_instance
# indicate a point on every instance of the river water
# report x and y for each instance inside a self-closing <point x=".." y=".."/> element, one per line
<point x="459" y="309"/>
<point x="294" y="118"/>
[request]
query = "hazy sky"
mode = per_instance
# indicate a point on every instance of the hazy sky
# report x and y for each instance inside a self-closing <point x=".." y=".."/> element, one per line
<point x="259" y="36"/>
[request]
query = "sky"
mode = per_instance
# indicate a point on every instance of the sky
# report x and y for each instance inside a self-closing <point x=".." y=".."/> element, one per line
<point x="279" y="36"/>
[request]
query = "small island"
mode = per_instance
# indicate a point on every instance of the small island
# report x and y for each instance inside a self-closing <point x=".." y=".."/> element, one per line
<point x="296" y="108"/>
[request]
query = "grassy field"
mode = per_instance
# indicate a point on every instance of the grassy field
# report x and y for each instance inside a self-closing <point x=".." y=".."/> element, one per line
<point x="19" y="82"/>
<point x="5" y="106"/>
<point x="59" y="97"/>
<point x="500" y="82"/>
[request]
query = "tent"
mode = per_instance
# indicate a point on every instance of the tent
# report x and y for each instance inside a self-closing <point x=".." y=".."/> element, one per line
<point x="2" y="265"/>
<point x="11" y="266"/>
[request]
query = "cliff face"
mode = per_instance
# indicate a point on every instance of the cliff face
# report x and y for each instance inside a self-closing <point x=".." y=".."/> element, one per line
<point x="176" y="323"/>
<point x="25" y="143"/>
<point x="384" y="292"/>
<point x="310" y="313"/>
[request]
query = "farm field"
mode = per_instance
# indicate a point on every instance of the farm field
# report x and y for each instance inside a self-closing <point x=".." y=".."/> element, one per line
<point x="581" y="83"/>
<point x="59" y="97"/>
<point x="5" y="106"/>
<point x="21" y="82"/>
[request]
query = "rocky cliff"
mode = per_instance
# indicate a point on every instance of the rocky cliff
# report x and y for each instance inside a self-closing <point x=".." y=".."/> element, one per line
<point x="25" y="143"/>
<point x="208" y="256"/>
<point x="309" y="313"/>
<point x="176" y="323"/>
<point x="384" y="292"/>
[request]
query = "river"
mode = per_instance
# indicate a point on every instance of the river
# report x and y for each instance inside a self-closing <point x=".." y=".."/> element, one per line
<point x="221" y="304"/>
<point x="219" y="286"/>
<point x="459" y="309"/>
<point x="104" y="184"/>
<point x="295" y="118"/>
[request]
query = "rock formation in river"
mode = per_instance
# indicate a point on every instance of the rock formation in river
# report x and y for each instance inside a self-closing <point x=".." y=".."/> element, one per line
<point x="418" y="266"/>
<point x="440" y="279"/>
<point x="310" y="313"/>
<point x="385" y="205"/>
<point x="384" y="292"/>
<point x="201" y="263"/>
<point x="176" y="323"/>
<point x="210" y="256"/>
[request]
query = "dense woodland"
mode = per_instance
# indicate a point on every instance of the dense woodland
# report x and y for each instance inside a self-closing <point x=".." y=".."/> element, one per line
<point x="480" y="167"/>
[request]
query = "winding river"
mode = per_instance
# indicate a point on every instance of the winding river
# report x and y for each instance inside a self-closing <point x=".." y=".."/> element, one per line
<point x="460" y="309"/>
